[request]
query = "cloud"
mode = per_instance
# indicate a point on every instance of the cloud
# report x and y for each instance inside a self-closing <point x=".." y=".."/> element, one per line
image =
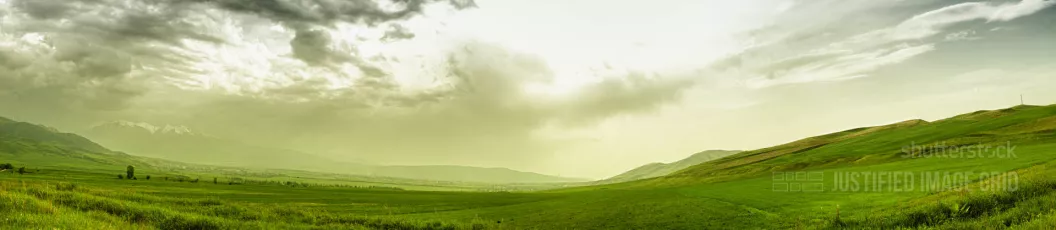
<point x="964" y="35"/>
<point x="46" y="9"/>
<point x="297" y="13"/>
<point x="241" y="46"/>
<point x="931" y="23"/>
<point x="314" y="47"/>
<point x="482" y="115"/>
<point x="839" y="68"/>
<point x="288" y="74"/>
<point x="821" y="54"/>
<point x="397" y="32"/>
<point x="311" y="44"/>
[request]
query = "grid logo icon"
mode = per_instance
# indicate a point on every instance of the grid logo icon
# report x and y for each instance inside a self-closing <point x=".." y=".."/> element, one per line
<point x="798" y="181"/>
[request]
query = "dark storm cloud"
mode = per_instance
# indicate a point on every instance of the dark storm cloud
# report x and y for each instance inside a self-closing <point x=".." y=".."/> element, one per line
<point x="304" y="16"/>
<point x="315" y="47"/>
<point x="397" y="32"/>
<point x="107" y="59"/>
<point x="312" y="47"/>
<point x="323" y="11"/>
<point x="104" y="39"/>
<point x="45" y="9"/>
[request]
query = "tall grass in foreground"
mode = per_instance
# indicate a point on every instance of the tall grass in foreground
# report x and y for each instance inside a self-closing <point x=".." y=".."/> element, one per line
<point x="67" y="206"/>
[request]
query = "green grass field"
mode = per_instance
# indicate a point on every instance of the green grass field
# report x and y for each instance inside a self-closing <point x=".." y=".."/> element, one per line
<point x="736" y="192"/>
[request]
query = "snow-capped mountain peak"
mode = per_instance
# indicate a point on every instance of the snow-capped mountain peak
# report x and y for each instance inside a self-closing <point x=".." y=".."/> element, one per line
<point x="176" y="129"/>
<point x="153" y="129"/>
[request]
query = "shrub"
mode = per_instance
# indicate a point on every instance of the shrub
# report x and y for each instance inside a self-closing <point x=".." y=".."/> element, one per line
<point x="119" y="176"/>
<point x="130" y="171"/>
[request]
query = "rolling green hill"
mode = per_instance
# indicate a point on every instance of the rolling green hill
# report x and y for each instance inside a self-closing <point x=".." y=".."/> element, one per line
<point x="11" y="130"/>
<point x="661" y="169"/>
<point x="1020" y="125"/>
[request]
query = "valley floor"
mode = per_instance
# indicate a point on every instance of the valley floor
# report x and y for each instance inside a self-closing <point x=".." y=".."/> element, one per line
<point x="68" y="200"/>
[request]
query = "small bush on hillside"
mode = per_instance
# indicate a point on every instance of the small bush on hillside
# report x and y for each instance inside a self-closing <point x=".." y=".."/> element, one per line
<point x="148" y="177"/>
<point x="119" y="176"/>
<point x="22" y="170"/>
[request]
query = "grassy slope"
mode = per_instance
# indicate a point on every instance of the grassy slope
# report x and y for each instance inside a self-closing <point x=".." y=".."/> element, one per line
<point x="661" y="169"/>
<point x="25" y="132"/>
<point x="733" y="192"/>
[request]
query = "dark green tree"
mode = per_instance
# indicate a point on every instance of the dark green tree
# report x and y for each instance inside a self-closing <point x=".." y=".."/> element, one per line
<point x="22" y="170"/>
<point x="119" y="176"/>
<point x="130" y="172"/>
<point x="148" y="177"/>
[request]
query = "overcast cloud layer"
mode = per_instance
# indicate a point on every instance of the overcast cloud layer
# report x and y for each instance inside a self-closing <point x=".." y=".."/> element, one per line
<point x="588" y="90"/>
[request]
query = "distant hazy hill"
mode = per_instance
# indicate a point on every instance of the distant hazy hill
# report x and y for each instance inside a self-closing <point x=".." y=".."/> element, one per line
<point x="180" y="143"/>
<point x="661" y="169"/>
<point x="464" y="173"/>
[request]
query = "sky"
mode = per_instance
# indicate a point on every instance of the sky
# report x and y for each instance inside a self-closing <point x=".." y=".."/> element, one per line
<point x="576" y="88"/>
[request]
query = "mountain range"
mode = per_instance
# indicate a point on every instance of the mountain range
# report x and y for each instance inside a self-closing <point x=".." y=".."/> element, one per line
<point x="180" y="143"/>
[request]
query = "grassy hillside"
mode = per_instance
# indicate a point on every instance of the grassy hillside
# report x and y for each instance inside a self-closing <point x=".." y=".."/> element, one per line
<point x="661" y="169"/>
<point x="735" y="192"/>
<point x="1020" y="125"/>
<point x="11" y="130"/>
